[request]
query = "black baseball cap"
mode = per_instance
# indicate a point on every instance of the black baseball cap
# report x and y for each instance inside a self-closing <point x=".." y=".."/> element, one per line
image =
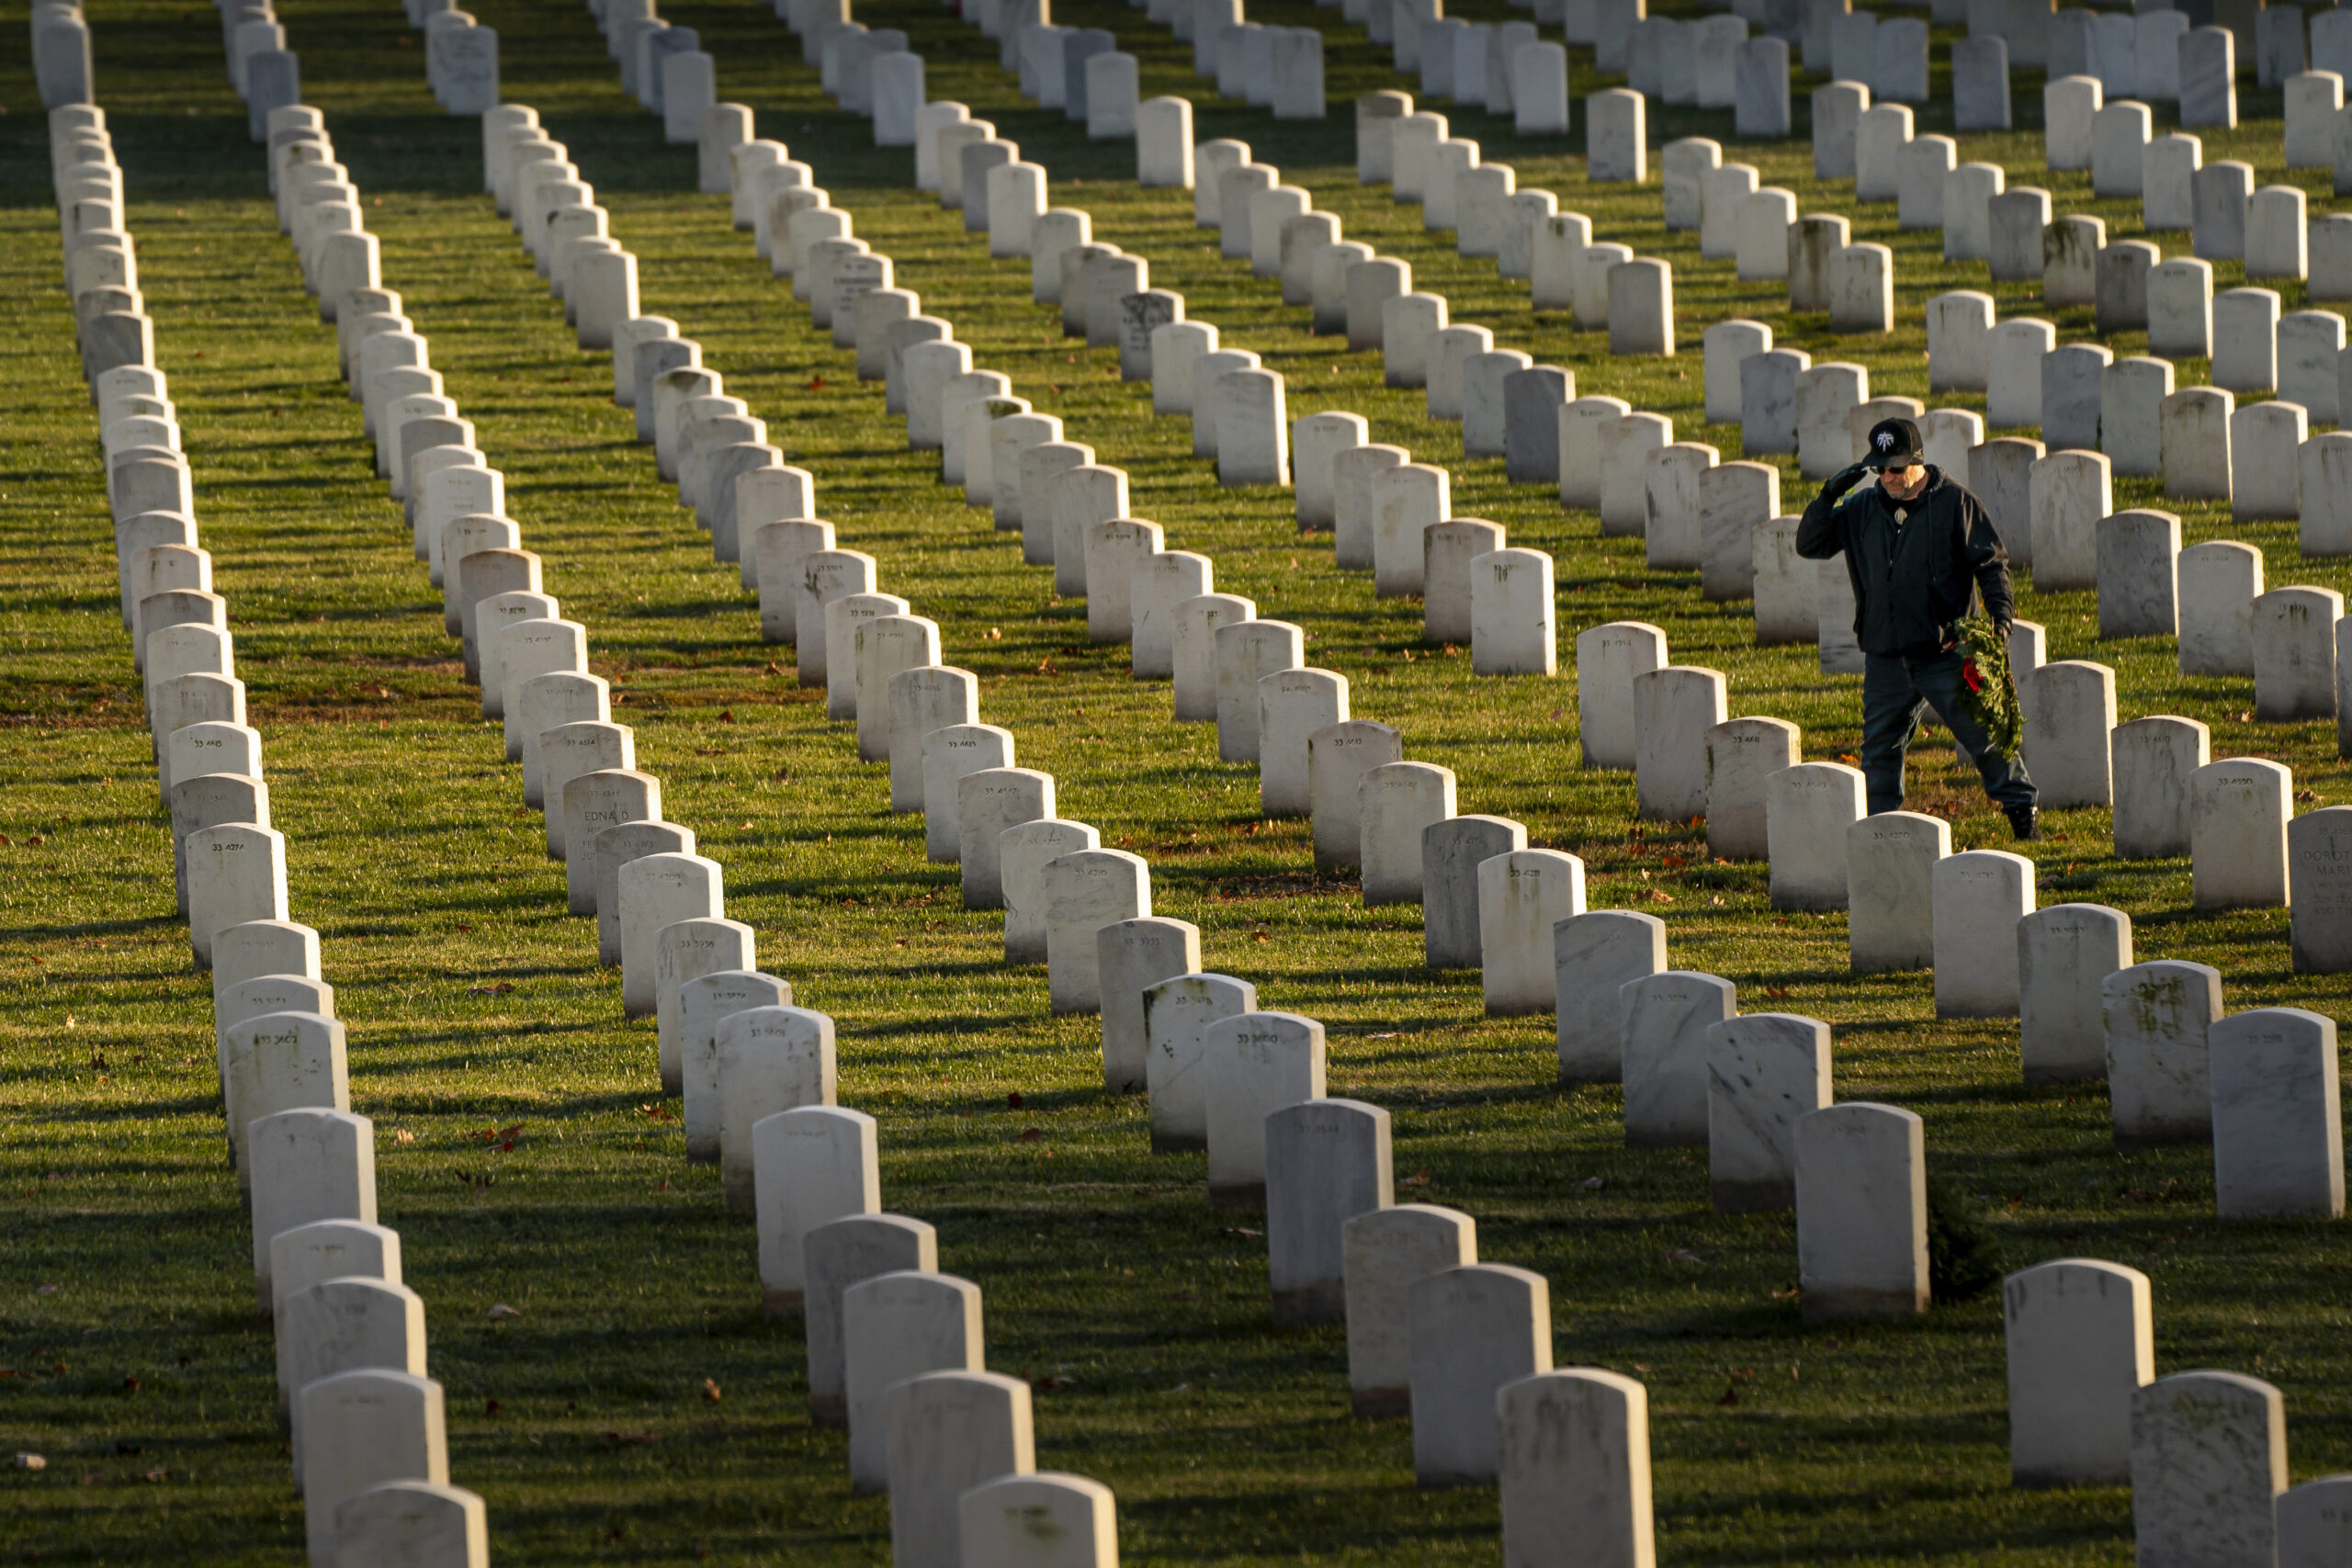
<point x="1893" y="444"/>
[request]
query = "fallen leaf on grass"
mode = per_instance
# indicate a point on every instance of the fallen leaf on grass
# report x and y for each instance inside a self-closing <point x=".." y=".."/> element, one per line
<point x="1788" y="1295"/>
<point x="1241" y="1230"/>
<point x="1589" y="1184"/>
<point x="632" y="1436"/>
<point x="490" y="1407"/>
<point x="1682" y="1255"/>
<point x="1419" y="1178"/>
<point x="501" y="1309"/>
<point x="500" y="989"/>
<point x="1013" y="1101"/>
<point x="156" y="1475"/>
<point x="1731" y="1396"/>
<point x="710" y="1392"/>
<point x="1048" y="1385"/>
<point x="1779" y="993"/>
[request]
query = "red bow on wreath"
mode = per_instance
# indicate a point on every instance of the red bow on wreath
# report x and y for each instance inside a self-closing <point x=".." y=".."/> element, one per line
<point x="1968" y="674"/>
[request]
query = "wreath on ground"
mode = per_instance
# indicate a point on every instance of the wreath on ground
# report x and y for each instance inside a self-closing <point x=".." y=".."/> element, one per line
<point x="1989" y="693"/>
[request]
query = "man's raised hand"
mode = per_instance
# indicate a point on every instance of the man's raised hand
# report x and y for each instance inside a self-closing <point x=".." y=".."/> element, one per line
<point x="1839" y="484"/>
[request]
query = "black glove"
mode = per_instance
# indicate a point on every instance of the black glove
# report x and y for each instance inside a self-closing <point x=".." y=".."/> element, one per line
<point x="1838" y="484"/>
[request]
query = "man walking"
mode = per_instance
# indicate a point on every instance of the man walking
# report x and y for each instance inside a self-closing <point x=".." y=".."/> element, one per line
<point x="1920" y="551"/>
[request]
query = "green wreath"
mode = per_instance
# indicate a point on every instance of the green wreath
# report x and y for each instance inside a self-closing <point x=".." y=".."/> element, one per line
<point x="1988" y="691"/>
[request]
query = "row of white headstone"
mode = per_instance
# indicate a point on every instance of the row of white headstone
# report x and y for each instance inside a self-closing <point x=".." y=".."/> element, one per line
<point x="367" y="1448"/>
<point x="898" y="1360"/>
<point x="754" y="1066"/>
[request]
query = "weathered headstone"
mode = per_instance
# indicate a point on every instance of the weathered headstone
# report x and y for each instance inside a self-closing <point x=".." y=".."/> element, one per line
<point x="309" y="1164"/>
<point x="1523" y="894"/>
<point x="1673" y="708"/>
<point x="362" y="1428"/>
<point x="2081" y="1343"/>
<point x="1764" y="1071"/>
<point x="1809" y="811"/>
<point x="2294" y="653"/>
<point x="1453" y="849"/>
<point x="1594" y="956"/>
<point x="1475" y="1329"/>
<point x="2277" y="1119"/>
<point x="896" y="1326"/>
<point x="2209" y="1459"/>
<point x="1386" y="1250"/>
<point x="1256" y="1063"/>
<point x="1327" y="1161"/>
<point x="1861" y="1203"/>
<point x="1023" y="850"/>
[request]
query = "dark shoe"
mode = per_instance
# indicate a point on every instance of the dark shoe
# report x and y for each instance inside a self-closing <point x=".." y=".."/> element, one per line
<point x="2022" y="822"/>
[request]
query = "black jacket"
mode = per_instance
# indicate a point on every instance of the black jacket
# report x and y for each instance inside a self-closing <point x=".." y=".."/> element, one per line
<point x="1911" y="582"/>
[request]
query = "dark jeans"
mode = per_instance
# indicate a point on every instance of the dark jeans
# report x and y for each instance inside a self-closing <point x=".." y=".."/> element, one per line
<point x="1895" y="689"/>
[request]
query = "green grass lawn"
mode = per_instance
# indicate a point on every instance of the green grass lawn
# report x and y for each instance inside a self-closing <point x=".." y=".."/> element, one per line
<point x="125" y="1312"/>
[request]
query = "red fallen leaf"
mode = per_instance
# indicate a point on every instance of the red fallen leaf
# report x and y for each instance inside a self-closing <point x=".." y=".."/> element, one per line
<point x="1731" y="1396"/>
<point x="1031" y="1134"/>
<point x="1779" y="993"/>
<point x="726" y="716"/>
<point x="1670" y="861"/>
<point x="815" y="383"/>
<point x="157" y="1475"/>
<point x="132" y="1384"/>
<point x="710" y="1392"/>
<point x="490" y="1407"/>
<point x="465" y="928"/>
<point x="1047" y="1385"/>
<point x="1419" y="1178"/>
<point x="1013" y="1101"/>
